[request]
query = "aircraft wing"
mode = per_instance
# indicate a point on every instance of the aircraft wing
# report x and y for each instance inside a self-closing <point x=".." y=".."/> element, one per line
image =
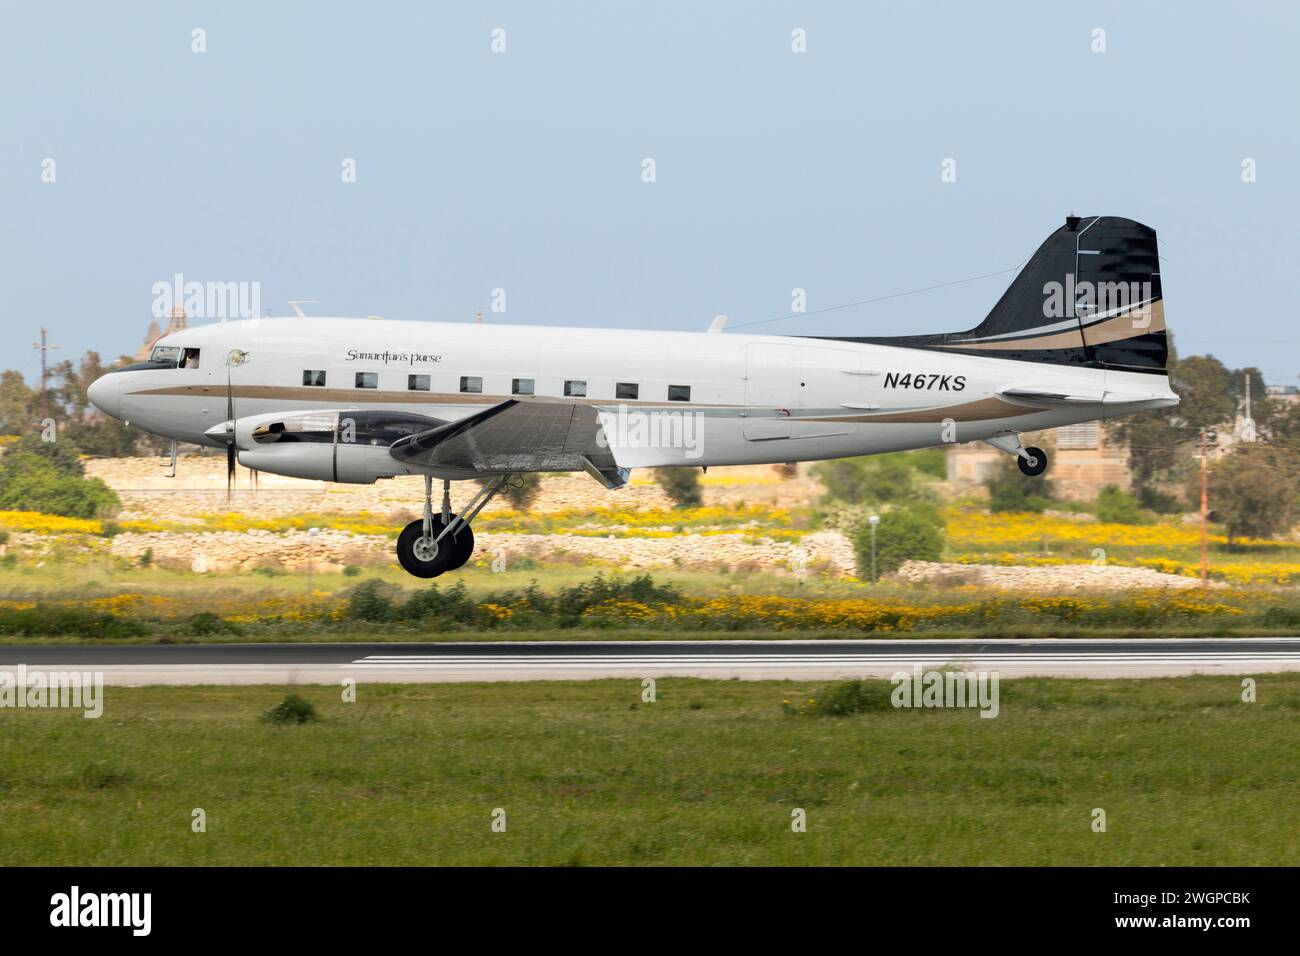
<point x="535" y="434"/>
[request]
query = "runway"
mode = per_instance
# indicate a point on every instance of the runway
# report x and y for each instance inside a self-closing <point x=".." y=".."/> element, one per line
<point x="138" y="665"/>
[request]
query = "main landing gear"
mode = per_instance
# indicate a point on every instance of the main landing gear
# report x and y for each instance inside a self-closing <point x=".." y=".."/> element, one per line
<point x="437" y="543"/>
<point x="1032" y="461"/>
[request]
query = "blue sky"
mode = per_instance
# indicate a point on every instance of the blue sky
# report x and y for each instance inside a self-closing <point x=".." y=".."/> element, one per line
<point x="774" y="170"/>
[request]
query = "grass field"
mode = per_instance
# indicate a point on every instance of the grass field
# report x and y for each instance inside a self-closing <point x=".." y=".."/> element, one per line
<point x="588" y="773"/>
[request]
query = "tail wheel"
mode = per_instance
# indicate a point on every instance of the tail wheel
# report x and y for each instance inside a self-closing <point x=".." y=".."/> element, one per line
<point x="425" y="557"/>
<point x="1035" y="464"/>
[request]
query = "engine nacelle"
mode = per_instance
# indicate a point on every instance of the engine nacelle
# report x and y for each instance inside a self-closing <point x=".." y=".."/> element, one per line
<point x="345" y="463"/>
<point x="345" y="446"/>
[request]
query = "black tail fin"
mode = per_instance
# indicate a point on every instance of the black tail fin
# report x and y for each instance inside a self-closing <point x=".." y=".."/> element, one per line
<point x="1090" y="296"/>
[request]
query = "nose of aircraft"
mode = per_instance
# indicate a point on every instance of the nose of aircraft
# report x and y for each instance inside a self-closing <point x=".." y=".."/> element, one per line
<point x="105" y="393"/>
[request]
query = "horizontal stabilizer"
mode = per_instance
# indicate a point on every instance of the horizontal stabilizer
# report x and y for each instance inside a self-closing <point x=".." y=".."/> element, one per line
<point x="1053" y="396"/>
<point x="1034" y="395"/>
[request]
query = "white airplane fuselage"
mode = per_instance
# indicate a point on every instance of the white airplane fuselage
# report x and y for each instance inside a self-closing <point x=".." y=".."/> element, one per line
<point x="752" y="398"/>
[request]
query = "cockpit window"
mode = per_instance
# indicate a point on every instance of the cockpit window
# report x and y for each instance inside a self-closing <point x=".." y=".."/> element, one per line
<point x="189" y="359"/>
<point x="165" y="354"/>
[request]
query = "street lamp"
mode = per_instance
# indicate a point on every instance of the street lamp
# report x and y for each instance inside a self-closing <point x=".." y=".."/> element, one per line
<point x="873" y="521"/>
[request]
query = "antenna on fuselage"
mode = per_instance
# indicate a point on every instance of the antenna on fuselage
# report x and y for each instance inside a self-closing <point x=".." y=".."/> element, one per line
<point x="296" y="303"/>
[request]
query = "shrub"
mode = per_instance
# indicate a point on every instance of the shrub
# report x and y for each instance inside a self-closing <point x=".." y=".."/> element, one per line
<point x="844" y="698"/>
<point x="1011" y="490"/>
<point x="371" y="601"/>
<point x="878" y="479"/>
<point x="904" y="534"/>
<point x="351" y="571"/>
<point x="682" y="485"/>
<point x="1114" y="506"/>
<point x="928" y="461"/>
<point x="206" y="623"/>
<point x="854" y="697"/>
<point x="31" y="482"/>
<point x="292" y="710"/>
<point x="61" y="455"/>
<point x="573" y="601"/>
<point x="451" y="606"/>
<point x="1254" y="491"/>
<point x="1162" y="503"/>
<point x="521" y="490"/>
<point x="146" y="559"/>
<point x="50" y="620"/>
<point x="1282" y="617"/>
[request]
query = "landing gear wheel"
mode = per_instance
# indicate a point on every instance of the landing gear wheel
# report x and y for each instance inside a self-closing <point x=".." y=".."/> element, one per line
<point x="425" y="557"/>
<point x="1035" y="464"/>
<point x="461" y="549"/>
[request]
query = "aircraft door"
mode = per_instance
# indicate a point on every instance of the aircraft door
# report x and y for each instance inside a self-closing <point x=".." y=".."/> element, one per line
<point x="830" y="381"/>
<point x="769" y="391"/>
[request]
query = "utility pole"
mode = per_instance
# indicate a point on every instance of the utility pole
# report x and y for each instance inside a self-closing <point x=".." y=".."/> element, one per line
<point x="1248" y="425"/>
<point x="1206" y="437"/>
<point x="45" y="370"/>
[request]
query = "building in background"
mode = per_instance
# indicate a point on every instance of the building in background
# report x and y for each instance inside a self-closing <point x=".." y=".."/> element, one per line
<point x="1082" y="461"/>
<point x="175" y="323"/>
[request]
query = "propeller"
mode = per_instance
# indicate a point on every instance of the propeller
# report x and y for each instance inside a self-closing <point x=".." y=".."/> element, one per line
<point x="235" y="357"/>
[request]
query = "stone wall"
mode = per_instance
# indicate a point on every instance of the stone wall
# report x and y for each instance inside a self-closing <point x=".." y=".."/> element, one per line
<point x="1043" y="580"/>
<point x="330" y="550"/>
<point x="200" y="488"/>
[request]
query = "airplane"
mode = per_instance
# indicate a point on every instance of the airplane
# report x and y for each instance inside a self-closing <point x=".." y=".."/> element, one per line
<point x="1078" y="336"/>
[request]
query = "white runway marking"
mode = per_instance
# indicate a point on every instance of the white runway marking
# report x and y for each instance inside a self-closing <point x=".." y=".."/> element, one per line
<point x="325" y="663"/>
<point x="1047" y="658"/>
<point x="812" y="660"/>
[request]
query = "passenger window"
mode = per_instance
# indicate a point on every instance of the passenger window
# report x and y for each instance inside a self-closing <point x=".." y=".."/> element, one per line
<point x="471" y="383"/>
<point x="575" y="389"/>
<point x="417" y="383"/>
<point x="679" y="393"/>
<point x="313" y="377"/>
<point x="626" y="390"/>
<point x="367" y="379"/>
<point x="189" y="359"/>
<point x="522" y="386"/>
